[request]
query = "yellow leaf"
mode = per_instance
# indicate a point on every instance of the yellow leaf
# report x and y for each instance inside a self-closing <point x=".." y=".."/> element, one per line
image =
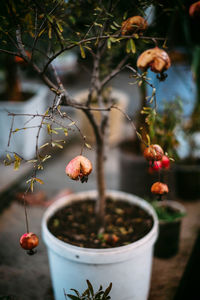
<point x="88" y="146"/>
<point x="39" y="180"/>
<point x="82" y="51"/>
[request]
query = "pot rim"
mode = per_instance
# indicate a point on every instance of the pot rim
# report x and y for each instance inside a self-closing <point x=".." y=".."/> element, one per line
<point x="91" y="255"/>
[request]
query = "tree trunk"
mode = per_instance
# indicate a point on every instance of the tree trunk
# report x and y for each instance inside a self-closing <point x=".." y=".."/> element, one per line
<point x="101" y="186"/>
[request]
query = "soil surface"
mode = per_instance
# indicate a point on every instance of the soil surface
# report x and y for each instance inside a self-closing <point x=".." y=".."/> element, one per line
<point x="77" y="224"/>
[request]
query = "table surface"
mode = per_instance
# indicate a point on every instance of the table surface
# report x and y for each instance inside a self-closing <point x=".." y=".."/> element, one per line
<point x="167" y="273"/>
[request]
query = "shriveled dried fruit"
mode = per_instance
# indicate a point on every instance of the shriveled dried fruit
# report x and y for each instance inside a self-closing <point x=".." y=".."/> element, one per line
<point x="153" y="152"/>
<point x="29" y="241"/>
<point x="159" y="188"/>
<point x="79" y="168"/>
<point x="136" y="24"/>
<point x="156" y="59"/>
<point x="194" y="10"/>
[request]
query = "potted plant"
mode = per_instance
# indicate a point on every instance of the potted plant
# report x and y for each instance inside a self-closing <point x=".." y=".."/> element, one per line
<point x="170" y="214"/>
<point x="183" y="82"/>
<point x="18" y="94"/>
<point x="107" y="253"/>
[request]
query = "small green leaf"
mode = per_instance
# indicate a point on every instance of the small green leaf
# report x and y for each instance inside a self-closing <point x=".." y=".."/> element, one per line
<point x="90" y="287"/>
<point x="8" y="156"/>
<point x="88" y="146"/>
<point x="44" y="145"/>
<point x="72" y="123"/>
<point x="56" y="145"/>
<point x="109" y="43"/>
<point x="82" y="51"/>
<point x="98" y="24"/>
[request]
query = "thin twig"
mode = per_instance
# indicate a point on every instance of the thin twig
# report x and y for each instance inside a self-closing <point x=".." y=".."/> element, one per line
<point x="11" y="128"/>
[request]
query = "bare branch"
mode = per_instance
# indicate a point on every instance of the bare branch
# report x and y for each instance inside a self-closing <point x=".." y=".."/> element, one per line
<point x="114" y="72"/>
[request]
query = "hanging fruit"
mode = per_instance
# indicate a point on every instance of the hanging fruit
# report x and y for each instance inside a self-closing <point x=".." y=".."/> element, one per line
<point x="194" y="10"/>
<point x="165" y="162"/>
<point x="159" y="188"/>
<point x="155" y="166"/>
<point x="79" y="168"/>
<point x="29" y="241"/>
<point x="136" y="24"/>
<point x="153" y="152"/>
<point x="156" y="59"/>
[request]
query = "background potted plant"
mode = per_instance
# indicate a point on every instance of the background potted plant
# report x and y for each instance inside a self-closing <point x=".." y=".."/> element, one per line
<point x="117" y="258"/>
<point x="19" y="93"/>
<point x="183" y="44"/>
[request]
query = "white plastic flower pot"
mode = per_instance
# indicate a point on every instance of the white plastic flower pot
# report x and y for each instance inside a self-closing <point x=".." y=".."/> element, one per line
<point x="127" y="267"/>
<point x="23" y="142"/>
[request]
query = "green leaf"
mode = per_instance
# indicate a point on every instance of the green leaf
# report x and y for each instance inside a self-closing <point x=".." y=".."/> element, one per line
<point x="98" y="24"/>
<point x="32" y="161"/>
<point x="73" y="297"/>
<point x="107" y="291"/>
<point x="8" y="156"/>
<point x="130" y="46"/>
<point x="113" y="27"/>
<point x="54" y="144"/>
<point x="41" y="32"/>
<point x="90" y="287"/>
<point x="32" y="185"/>
<point x="88" y="146"/>
<point x="82" y="51"/>
<point x="109" y="43"/>
<point x="44" y="145"/>
<point x="46" y="157"/>
<point x="117" y="25"/>
<point x="72" y="123"/>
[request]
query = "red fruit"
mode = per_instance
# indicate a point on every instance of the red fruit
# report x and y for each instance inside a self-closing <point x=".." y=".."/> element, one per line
<point x="194" y="10"/>
<point x="29" y="241"/>
<point x="155" y="166"/>
<point x="153" y="152"/>
<point x="79" y="168"/>
<point x="133" y="25"/>
<point x="165" y="162"/>
<point x="156" y="59"/>
<point x="159" y="188"/>
<point x="20" y="60"/>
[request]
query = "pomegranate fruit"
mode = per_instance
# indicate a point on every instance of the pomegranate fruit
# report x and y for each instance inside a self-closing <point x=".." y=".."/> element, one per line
<point x="155" y="166"/>
<point x="156" y="59"/>
<point x="165" y="162"/>
<point x="79" y="168"/>
<point x="159" y="188"/>
<point x="153" y="152"/>
<point x="134" y="24"/>
<point x="194" y="10"/>
<point x="29" y="241"/>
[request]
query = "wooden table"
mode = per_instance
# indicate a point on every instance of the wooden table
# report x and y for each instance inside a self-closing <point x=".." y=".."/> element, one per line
<point x="167" y="273"/>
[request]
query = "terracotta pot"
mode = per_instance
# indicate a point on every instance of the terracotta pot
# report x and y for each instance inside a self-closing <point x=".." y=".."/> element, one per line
<point x="167" y="244"/>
